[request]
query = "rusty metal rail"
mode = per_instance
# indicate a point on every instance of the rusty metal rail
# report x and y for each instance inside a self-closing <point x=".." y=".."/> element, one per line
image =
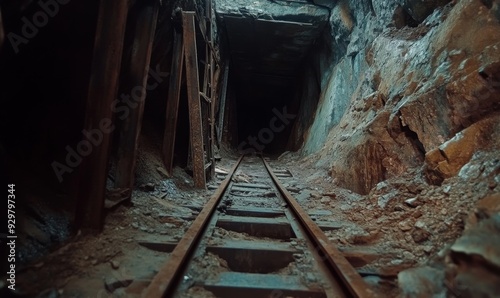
<point x="259" y="255"/>
<point x="350" y="277"/>
<point x="169" y="273"/>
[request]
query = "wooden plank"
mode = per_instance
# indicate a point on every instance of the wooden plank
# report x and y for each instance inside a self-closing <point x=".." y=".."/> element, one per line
<point x="169" y="273"/>
<point x="222" y="106"/>
<point x="251" y="185"/>
<point x="211" y="89"/>
<point x="206" y="93"/>
<point x="102" y="90"/>
<point x="215" y="87"/>
<point x="193" y="91"/>
<point x="206" y="71"/>
<point x="215" y="100"/>
<point x="174" y="92"/>
<point x="249" y="285"/>
<point x="144" y="19"/>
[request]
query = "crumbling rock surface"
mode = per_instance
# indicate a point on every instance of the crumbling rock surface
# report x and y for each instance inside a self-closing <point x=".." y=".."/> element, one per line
<point x="447" y="160"/>
<point x="273" y="10"/>
<point x="469" y="267"/>
<point x="482" y="241"/>
<point x="409" y="117"/>
<point x="421" y="9"/>
<point x="401" y="95"/>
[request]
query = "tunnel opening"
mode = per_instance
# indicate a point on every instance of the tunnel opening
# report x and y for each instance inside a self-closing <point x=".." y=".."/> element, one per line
<point x="264" y="115"/>
<point x="267" y="47"/>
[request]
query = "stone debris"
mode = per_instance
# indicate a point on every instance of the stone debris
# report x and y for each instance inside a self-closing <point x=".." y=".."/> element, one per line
<point x="112" y="283"/>
<point x="422" y="282"/>
<point x="115" y="264"/>
<point x="147" y="187"/>
<point x="163" y="172"/>
<point x="483" y="241"/>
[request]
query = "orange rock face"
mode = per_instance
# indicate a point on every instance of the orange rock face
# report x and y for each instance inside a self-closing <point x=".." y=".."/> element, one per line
<point x="425" y="96"/>
<point x="447" y="160"/>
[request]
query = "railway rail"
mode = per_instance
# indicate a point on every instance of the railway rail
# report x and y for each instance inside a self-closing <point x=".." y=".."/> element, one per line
<point x="252" y="239"/>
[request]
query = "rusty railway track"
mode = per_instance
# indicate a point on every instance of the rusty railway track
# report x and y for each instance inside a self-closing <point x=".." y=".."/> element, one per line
<point x="272" y="251"/>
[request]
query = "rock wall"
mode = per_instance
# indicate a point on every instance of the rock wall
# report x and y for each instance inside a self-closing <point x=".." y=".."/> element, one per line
<point x="392" y="97"/>
<point x="341" y="58"/>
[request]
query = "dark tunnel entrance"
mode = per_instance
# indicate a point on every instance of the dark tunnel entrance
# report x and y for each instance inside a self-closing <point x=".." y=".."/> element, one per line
<point x="264" y="115"/>
<point x="267" y="54"/>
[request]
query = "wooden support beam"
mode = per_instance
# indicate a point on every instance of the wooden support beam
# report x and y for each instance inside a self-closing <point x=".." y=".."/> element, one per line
<point x="174" y="92"/>
<point x="215" y="97"/>
<point x="212" y="87"/>
<point x="203" y="28"/>
<point x="206" y="108"/>
<point x="142" y="26"/>
<point x="102" y="90"/>
<point x="222" y="106"/>
<point x="193" y="91"/>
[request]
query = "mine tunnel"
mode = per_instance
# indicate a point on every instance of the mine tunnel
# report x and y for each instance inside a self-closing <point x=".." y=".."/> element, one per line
<point x="250" y="148"/>
<point x="268" y="55"/>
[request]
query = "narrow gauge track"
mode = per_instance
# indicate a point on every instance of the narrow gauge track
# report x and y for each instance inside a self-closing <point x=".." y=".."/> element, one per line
<point x="252" y="239"/>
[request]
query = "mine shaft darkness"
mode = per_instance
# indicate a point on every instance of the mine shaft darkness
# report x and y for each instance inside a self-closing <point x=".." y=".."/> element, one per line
<point x="257" y="103"/>
<point x="45" y="86"/>
<point x="392" y="148"/>
<point x="267" y="56"/>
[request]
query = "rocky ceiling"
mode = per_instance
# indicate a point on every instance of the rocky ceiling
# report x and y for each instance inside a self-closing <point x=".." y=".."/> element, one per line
<point x="269" y="39"/>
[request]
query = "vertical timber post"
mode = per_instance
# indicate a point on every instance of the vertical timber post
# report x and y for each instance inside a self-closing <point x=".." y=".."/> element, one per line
<point x="222" y="106"/>
<point x="103" y="86"/>
<point x="212" y="88"/>
<point x="143" y="23"/>
<point x="193" y="91"/>
<point x="174" y="92"/>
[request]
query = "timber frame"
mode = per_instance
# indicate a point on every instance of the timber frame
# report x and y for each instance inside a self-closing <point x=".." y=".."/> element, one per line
<point x="203" y="101"/>
<point x="114" y="72"/>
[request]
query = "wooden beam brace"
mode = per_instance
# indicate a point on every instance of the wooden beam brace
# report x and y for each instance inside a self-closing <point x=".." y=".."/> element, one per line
<point x="193" y="91"/>
<point x="102" y="90"/>
<point x="205" y="97"/>
<point x="222" y="107"/>
<point x="174" y="92"/>
<point x="143" y="20"/>
<point x="206" y="38"/>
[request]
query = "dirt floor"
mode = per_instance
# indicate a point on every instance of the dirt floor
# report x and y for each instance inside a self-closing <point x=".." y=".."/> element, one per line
<point x="401" y="223"/>
<point x="405" y="222"/>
